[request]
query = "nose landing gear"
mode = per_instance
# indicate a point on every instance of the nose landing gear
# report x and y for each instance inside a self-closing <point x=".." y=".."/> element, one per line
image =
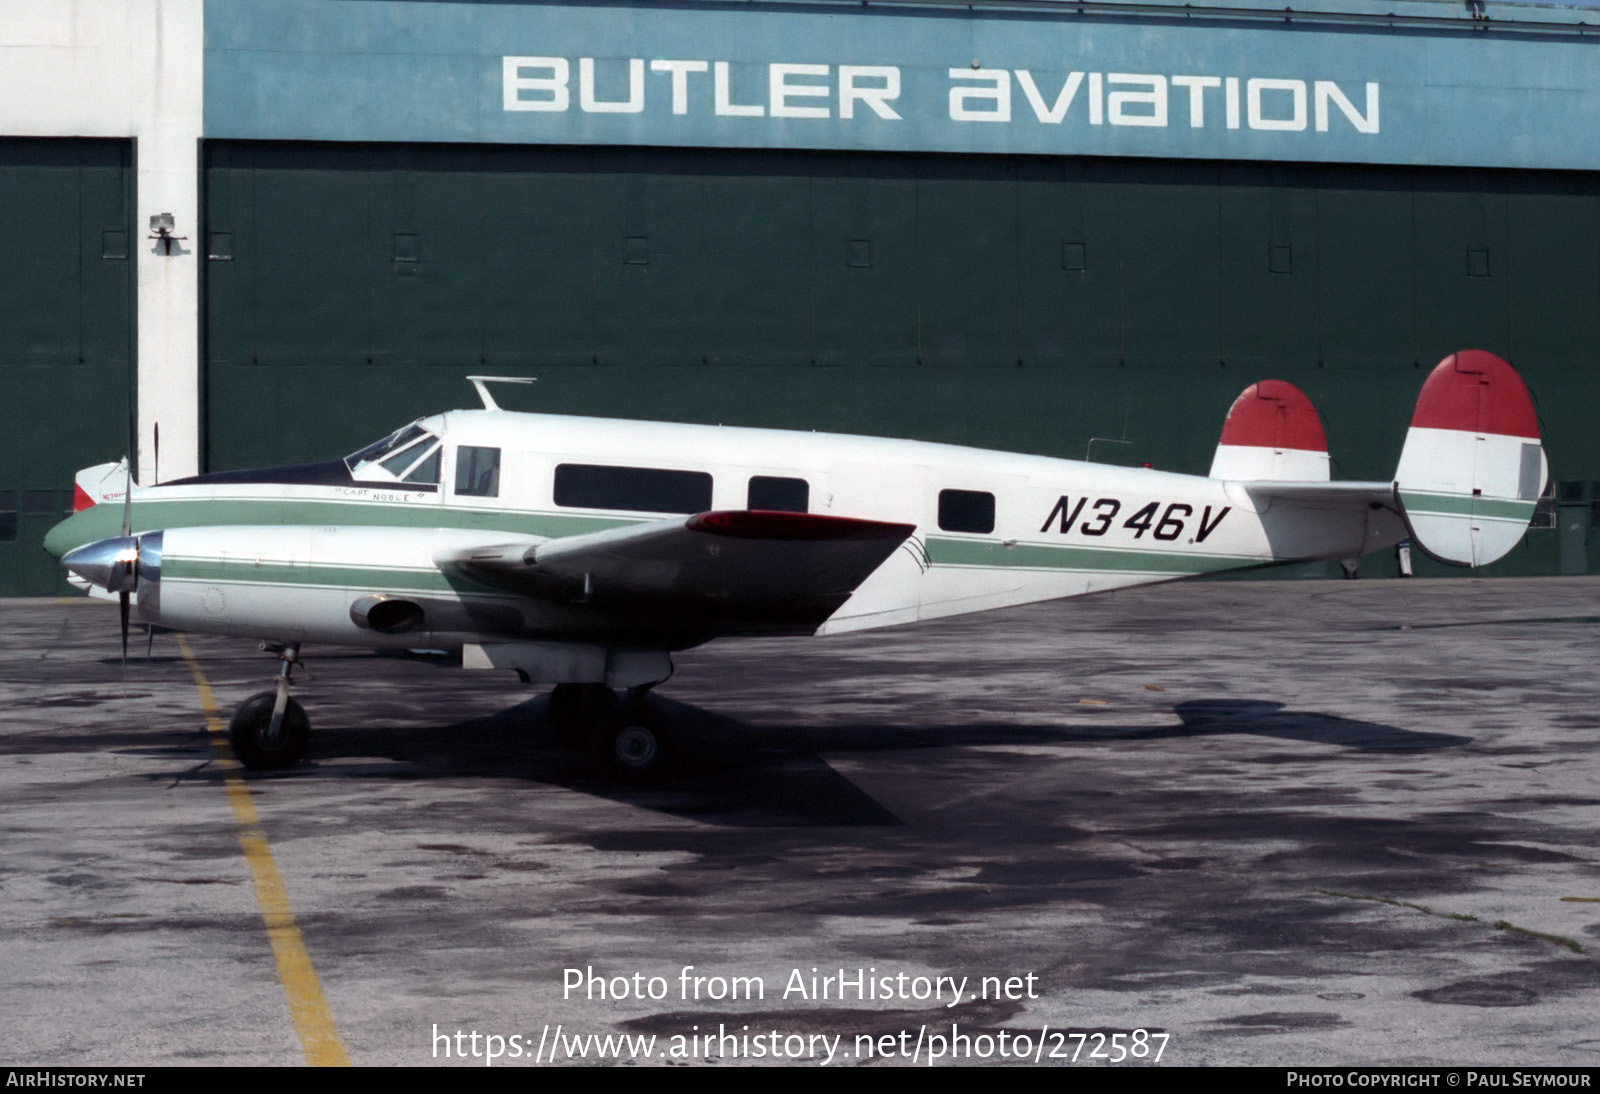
<point x="270" y="731"/>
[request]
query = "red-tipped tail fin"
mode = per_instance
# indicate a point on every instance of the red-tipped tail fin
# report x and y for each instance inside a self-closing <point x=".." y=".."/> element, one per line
<point x="1272" y="434"/>
<point x="1472" y="468"/>
<point x="101" y="483"/>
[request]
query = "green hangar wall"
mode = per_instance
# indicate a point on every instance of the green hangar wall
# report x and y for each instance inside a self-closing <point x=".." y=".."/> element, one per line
<point x="1029" y="303"/>
<point x="66" y="335"/>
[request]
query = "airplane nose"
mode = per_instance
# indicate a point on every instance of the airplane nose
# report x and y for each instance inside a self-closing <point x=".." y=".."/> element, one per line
<point x="108" y="563"/>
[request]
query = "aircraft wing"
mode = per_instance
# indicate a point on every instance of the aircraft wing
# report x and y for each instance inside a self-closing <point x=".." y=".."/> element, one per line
<point x="729" y="572"/>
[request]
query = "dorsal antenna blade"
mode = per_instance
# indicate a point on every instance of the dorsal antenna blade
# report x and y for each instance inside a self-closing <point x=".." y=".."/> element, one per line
<point x="481" y="383"/>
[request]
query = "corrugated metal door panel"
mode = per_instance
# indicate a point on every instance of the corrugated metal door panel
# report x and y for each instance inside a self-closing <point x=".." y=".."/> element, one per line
<point x="1048" y="223"/>
<point x="1462" y="278"/>
<point x="41" y="320"/>
<point x="1365" y="288"/>
<point x="542" y="248"/>
<point x="66" y="336"/>
<point x="426" y="241"/>
<point x="230" y="262"/>
<point x="967" y="265"/>
<point x="309" y="241"/>
<point x="755" y="258"/>
<point x="649" y="299"/>
<point x="1553" y="260"/>
<point x="1067" y="285"/>
<point x="1553" y="245"/>
<point x="1171" y="292"/>
<point x="1096" y="302"/>
<point x="864" y="257"/>
<point x="1268" y="266"/>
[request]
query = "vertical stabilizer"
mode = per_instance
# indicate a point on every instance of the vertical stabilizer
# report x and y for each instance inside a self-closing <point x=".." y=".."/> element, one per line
<point x="1472" y="468"/>
<point x="103" y="482"/>
<point x="1272" y="434"/>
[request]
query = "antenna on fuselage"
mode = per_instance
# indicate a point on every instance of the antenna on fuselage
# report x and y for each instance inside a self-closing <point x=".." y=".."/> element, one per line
<point x="482" y="384"/>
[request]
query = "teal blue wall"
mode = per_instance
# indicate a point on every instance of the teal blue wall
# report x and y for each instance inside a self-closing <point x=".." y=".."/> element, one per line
<point x="1450" y="93"/>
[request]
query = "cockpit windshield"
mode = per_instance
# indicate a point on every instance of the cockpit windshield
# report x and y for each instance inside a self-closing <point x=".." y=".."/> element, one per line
<point x="376" y="451"/>
<point x="410" y="455"/>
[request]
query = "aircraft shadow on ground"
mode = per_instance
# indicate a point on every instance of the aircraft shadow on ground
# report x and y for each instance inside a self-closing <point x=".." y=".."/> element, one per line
<point x="734" y="773"/>
<point x="731" y="771"/>
<point x="1199" y="717"/>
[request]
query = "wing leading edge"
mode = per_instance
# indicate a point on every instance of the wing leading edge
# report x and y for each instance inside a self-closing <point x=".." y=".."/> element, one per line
<point x="734" y="571"/>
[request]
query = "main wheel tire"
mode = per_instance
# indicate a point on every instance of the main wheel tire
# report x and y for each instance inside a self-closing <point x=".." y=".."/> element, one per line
<point x="634" y="746"/>
<point x="575" y="710"/>
<point x="249" y="727"/>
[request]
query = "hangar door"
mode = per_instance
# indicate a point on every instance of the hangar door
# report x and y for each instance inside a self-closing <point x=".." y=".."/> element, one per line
<point x="1034" y="304"/>
<point x="66" y="336"/>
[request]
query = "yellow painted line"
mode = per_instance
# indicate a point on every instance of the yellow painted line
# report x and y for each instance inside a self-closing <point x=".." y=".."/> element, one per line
<point x="1582" y="899"/>
<point x="319" y="1037"/>
<point x="1095" y="702"/>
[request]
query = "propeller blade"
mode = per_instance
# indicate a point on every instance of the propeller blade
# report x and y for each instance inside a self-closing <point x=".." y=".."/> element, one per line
<point x="127" y="498"/>
<point x="122" y="608"/>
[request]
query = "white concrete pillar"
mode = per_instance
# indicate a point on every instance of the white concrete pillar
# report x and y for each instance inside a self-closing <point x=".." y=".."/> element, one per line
<point x="168" y="158"/>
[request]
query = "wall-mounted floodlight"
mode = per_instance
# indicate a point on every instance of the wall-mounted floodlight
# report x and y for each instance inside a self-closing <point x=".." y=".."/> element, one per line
<point x="162" y="226"/>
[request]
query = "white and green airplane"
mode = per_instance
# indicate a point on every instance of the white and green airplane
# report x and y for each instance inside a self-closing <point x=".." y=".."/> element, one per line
<point x="584" y="552"/>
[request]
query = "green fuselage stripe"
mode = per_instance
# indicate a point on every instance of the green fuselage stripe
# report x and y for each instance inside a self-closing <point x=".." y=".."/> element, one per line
<point x="104" y="521"/>
<point x="1039" y="556"/>
<point x="320" y="575"/>
<point x="1467" y="505"/>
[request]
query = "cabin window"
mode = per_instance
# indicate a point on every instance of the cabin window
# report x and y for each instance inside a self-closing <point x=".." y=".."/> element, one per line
<point x="8" y="515"/>
<point x="966" y="511"/>
<point x="777" y="494"/>
<point x="642" y="489"/>
<point x="477" y="472"/>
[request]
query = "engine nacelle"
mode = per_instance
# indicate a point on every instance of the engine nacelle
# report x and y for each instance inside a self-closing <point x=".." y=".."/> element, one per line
<point x="353" y="585"/>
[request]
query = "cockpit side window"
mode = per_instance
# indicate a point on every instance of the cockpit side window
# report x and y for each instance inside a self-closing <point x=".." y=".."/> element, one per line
<point x="477" y="472"/>
<point x="426" y="473"/>
<point x="396" y="464"/>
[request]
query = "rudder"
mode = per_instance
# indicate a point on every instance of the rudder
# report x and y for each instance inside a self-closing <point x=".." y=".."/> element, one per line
<point x="1472" y="468"/>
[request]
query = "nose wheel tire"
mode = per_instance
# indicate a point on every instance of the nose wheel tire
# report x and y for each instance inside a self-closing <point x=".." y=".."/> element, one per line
<point x="250" y="733"/>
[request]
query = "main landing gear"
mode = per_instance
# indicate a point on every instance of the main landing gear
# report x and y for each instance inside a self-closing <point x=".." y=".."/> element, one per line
<point x="626" y="736"/>
<point x="270" y="730"/>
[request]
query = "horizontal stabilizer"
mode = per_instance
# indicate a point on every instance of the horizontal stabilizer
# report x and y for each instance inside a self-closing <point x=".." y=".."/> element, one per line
<point x="1327" y="495"/>
<point x="1472" y="468"/>
<point x="1272" y="433"/>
